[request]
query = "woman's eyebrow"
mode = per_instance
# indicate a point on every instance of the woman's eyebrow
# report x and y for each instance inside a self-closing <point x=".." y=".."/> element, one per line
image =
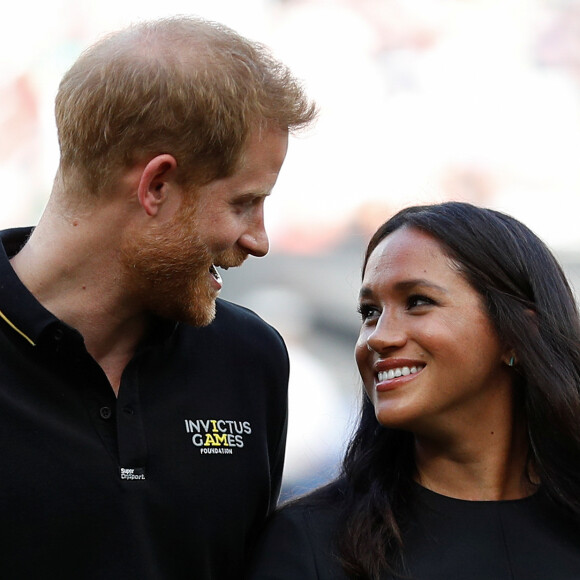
<point x="421" y="282"/>
<point x="405" y="285"/>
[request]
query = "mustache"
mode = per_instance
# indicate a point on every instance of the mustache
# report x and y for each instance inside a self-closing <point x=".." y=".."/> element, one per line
<point x="231" y="258"/>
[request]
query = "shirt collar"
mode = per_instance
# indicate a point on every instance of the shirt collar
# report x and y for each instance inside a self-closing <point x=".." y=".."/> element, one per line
<point x="22" y="312"/>
<point x="19" y="309"/>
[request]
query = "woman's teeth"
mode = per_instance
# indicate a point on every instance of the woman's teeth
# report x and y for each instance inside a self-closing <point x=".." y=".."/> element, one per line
<point x="399" y="372"/>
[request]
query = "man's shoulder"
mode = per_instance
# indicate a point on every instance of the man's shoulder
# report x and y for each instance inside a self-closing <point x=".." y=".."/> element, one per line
<point x="231" y="316"/>
<point x="240" y="326"/>
<point x="233" y="311"/>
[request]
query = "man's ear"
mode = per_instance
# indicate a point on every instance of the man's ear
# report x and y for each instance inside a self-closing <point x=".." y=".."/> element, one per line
<point x="152" y="190"/>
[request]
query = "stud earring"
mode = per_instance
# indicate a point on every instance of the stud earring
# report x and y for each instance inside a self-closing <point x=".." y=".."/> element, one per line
<point x="512" y="361"/>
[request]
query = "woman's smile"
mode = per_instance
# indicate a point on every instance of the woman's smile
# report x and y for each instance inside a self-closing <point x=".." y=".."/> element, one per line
<point x="427" y="352"/>
<point x="392" y="378"/>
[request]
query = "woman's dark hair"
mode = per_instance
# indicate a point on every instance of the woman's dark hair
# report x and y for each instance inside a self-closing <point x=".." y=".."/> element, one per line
<point x="534" y="312"/>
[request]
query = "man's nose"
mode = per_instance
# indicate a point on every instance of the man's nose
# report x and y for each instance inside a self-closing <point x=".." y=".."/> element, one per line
<point x="255" y="239"/>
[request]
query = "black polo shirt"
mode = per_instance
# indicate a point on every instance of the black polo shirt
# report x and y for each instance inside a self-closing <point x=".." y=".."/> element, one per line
<point x="171" y="480"/>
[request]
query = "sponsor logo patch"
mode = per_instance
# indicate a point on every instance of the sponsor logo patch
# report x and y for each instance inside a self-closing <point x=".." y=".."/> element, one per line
<point x="218" y="436"/>
<point x="132" y="473"/>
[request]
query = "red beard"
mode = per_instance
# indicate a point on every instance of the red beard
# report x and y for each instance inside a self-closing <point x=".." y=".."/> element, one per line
<point x="169" y="270"/>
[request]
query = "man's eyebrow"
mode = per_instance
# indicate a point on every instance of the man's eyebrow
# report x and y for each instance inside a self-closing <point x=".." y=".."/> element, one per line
<point x="253" y="195"/>
<point x="405" y="285"/>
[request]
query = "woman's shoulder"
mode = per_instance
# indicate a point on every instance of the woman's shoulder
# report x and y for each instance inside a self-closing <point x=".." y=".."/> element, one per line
<point x="298" y="540"/>
<point x="314" y="515"/>
<point x="323" y="499"/>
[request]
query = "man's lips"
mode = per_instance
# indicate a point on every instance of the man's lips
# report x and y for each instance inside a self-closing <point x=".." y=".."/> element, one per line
<point x="230" y="261"/>
<point x="226" y="260"/>
<point x="215" y="275"/>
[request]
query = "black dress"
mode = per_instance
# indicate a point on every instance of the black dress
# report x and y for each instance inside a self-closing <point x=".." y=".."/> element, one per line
<point x="447" y="539"/>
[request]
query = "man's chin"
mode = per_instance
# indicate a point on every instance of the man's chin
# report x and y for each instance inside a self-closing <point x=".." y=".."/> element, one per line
<point x="192" y="313"/>
<point x="200" y="316"/>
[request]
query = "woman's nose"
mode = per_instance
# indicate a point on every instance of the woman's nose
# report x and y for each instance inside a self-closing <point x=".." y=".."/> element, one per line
<point x="388" y="334"/>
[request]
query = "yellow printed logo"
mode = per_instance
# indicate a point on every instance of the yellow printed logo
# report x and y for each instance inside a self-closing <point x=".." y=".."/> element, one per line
<point x="217" y="436"/>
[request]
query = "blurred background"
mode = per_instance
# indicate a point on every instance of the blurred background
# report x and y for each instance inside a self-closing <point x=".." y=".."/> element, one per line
<point x="420" y="101"/>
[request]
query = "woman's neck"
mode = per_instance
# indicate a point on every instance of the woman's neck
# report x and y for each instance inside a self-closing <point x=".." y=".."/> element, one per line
<point x="485" y="466"/>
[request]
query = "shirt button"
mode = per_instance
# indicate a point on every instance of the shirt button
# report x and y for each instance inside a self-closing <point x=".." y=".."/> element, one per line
<point x="58" y="334"/>
<point x="105" y="412"/>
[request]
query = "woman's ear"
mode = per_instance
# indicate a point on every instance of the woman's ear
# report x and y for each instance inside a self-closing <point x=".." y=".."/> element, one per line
<point x="152" y="189"/>
<point x="510" y="359"/>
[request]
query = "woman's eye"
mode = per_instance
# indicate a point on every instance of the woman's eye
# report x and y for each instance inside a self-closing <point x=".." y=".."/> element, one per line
<point x="366" y="312"/>
<point x="417" y="300"/>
